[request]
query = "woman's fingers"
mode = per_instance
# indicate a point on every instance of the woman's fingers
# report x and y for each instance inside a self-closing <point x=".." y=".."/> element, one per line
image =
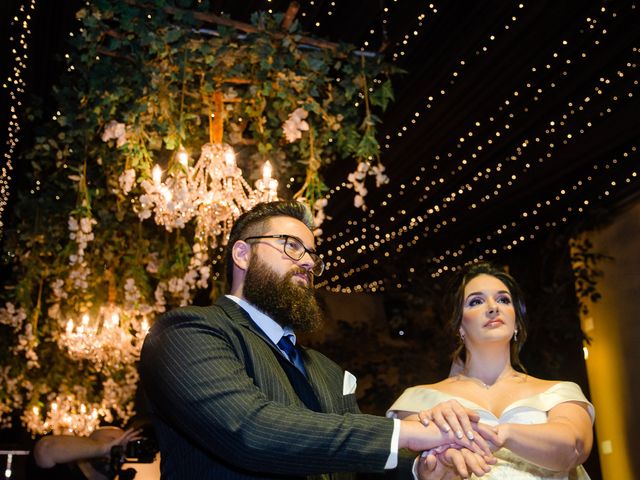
<point x="425" y="417"/>
<point x="488" y="433"/>
<point x="451" y="416"/>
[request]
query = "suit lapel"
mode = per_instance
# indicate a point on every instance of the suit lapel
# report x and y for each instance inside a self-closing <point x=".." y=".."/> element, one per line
<point x="306" y="391"/>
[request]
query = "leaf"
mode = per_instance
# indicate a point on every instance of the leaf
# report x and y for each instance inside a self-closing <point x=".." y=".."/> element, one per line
<point x="382" y="95"/>
<point x="367" y="147"/>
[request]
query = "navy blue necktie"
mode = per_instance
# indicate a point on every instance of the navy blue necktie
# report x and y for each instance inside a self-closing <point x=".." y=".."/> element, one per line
<point x="286" y="345"/>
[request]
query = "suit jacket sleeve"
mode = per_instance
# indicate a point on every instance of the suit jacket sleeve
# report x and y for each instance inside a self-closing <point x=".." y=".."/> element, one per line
<point x="199" y="371"/>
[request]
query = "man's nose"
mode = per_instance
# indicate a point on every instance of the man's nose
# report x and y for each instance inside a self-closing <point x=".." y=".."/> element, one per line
<point x="306" y="261"/>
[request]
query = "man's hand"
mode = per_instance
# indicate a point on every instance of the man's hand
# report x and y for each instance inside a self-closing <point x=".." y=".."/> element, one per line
<point x="122" y="440"/>
<point x="453" y="463"/>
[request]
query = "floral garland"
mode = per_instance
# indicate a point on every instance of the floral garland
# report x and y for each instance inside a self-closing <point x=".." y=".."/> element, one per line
<point x="135" y="91"/>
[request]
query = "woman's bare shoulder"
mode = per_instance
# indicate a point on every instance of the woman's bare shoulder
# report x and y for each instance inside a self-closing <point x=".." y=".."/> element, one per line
<point x="536" y="385"/>
<point x="439" y="386"/>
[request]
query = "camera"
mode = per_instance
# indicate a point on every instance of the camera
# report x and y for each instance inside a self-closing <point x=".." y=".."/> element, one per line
<point x="142" y="450"/>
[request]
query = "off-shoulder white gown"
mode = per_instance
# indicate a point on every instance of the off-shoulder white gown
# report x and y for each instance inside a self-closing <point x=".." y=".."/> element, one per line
<point x="531" y="410"/>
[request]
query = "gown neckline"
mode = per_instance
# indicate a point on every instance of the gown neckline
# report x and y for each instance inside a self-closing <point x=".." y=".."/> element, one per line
<point x="509" y="407"/>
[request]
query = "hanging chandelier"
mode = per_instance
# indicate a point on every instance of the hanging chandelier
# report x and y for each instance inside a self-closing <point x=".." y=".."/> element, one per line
<point x="110" y="339"/>
<point x="213" y="191"/>
<point x="65" y="415"/>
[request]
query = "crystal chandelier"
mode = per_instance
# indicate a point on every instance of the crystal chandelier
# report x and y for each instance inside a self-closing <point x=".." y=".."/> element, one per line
<point x="213" y="191"/>
<point x="66" y="415"/>
<point x="112" y="338"/>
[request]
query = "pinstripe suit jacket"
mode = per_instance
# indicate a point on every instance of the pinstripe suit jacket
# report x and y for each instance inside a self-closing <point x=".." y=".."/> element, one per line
<point x="228" y="405"/>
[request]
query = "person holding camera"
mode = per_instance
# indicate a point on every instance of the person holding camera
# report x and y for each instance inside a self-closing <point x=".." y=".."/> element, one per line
<point x="84" y="458"/>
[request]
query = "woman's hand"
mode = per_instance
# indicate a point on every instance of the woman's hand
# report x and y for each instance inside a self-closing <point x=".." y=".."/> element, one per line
<point x="451" y="416"/>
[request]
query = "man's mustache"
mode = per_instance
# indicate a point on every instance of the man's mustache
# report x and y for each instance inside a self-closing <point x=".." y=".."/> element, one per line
<point x="300" y="270"/>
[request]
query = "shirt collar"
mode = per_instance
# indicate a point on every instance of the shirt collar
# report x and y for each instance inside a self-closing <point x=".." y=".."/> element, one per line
<point x="272" y="329"/>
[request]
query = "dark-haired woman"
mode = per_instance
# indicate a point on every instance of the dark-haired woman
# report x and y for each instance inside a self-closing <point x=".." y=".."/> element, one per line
<point x="544" y="427"/>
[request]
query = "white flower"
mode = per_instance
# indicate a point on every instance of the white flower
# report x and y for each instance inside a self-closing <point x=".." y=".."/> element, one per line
<point x="321" y="203"/>
<point x="86" y="223"/>
<point x="152" y="263"/>
<point x="115" y="130"/>
<point x="363" y="167"/>
<point x="54" y="311"/>
<point x="126" y="179"/>
<point x="295" y="125"/>
<point x="122" y="139"/>
<point x="381" y="178"/>
<point x="358" y="201"/>
<point x="9" y="315"/>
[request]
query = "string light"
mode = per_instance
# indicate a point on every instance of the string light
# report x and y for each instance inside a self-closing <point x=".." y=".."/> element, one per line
<point x="413" y="33"/>
<point x="501" y="238"/>
<point x="396" y="233"/>
<point x="478" y="147"/>
<point x="15" y="86"/>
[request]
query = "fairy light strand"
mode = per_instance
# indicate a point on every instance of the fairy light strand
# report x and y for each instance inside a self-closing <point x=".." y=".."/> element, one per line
<point x="563" y="129"/>
<point x="446" y="261"/>
<point x="441" y="180"/>
<point x="15" y="86"/>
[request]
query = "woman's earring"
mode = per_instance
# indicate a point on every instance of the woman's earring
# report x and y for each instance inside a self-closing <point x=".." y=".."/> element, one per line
<point x="461" y="336"/>
<point x="515" y="336"/>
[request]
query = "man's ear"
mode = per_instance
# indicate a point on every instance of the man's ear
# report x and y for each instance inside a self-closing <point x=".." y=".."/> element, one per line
<point x="241" y="254"/>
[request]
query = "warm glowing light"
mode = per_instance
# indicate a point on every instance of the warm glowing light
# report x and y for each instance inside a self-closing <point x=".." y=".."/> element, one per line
<point x="230" y="158"/>
<point x="183" y="156"/>
<point x="113" y="337"/>
<point x="266" y="171"/>
<point x="157" y="175"/>
<point x="212" y="192"/>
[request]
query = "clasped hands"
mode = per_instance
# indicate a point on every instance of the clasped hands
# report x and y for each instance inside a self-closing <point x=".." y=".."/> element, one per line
<point x="470" y="450"/>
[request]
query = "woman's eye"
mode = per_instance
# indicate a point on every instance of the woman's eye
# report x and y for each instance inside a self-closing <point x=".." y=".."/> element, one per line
<point x="475" y="301"/>
<point x="505" y="300"/>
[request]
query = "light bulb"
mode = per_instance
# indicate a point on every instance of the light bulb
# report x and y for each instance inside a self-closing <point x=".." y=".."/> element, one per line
<point x="157" y="174"/>
<point x="266" y="171"/>
<point x="183" y="156"/>
<point x="230" y="158"/>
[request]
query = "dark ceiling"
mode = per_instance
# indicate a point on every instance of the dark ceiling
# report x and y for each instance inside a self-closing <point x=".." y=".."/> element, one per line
<point x="513" y="119"/>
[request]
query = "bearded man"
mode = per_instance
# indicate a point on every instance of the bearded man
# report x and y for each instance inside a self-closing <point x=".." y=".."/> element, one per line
<point x="233" y="397"/>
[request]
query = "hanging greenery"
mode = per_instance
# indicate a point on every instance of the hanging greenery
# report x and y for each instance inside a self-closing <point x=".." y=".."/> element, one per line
<point x="139" y="84"/>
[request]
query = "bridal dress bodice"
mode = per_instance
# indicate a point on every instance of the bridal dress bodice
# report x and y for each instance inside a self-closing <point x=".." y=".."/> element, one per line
<point x="530" y="410"/>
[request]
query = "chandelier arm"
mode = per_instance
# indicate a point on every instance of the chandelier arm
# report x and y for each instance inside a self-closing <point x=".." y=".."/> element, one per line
<point x="218" y="120"/>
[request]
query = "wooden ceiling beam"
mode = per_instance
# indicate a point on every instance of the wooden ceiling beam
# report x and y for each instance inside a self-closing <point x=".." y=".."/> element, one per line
<point x="289" y="16"/>
<point x="242" y="26"/>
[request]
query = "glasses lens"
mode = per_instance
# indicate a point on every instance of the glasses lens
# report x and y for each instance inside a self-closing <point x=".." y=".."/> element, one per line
<point x="293" y="248"/>
<point x="318" y="265"/>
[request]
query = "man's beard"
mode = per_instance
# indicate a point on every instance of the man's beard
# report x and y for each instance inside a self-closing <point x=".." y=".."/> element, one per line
<point x="287" y="303"/>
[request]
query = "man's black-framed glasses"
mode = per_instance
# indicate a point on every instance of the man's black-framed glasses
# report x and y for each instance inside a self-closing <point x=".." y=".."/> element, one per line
<point x="295" y="250"/>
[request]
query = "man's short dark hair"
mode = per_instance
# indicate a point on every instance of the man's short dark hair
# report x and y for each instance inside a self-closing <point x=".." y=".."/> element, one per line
<point x="252" y="223"/>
